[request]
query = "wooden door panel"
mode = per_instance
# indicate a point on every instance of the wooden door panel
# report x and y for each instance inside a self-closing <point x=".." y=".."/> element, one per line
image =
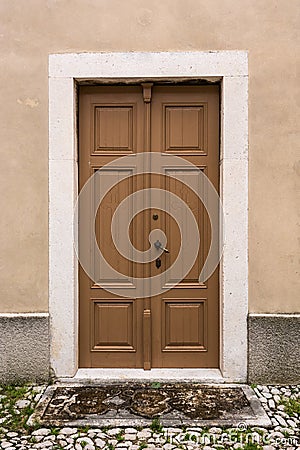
<point x="110" y="126"/>
<point x="183" y="325"/>
<point x="185" y="128"/>
<point x="124" y="186"/>
<point x="113" y="128"/>
<point x="185" y="319"/>
<point x="113" y="325"/>
<point x="180" y="327"/>
<point x="184" y="183"/>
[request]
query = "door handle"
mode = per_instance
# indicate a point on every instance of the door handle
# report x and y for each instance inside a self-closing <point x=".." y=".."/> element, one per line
<point x="158" y="246"/>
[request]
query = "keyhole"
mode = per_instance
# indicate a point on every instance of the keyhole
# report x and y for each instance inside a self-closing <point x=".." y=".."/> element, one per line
<point x="158" y="263"/>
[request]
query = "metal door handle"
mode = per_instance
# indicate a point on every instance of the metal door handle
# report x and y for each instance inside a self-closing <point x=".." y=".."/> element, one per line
<point x="159" y="246"/>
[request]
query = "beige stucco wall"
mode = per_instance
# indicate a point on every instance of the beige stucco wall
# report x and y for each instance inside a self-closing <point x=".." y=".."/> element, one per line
<point x="32" y="29"/>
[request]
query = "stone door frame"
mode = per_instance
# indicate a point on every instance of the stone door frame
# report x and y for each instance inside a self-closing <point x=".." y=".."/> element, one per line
<point x="65" y="72"/>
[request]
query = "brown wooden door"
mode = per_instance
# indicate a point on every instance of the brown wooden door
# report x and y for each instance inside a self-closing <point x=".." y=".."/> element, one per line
<point x="180" y="326"/>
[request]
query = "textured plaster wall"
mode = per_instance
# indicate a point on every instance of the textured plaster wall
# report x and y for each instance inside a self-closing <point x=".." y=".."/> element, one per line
<point x="24" y="348"/>
<point x="272" y="357"/>
<point x="31" y="29"/>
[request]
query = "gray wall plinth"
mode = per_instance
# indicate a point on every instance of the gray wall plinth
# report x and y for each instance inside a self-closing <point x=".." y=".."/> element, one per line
<point x="24" y="348"/>
<point x="274" y="348"/>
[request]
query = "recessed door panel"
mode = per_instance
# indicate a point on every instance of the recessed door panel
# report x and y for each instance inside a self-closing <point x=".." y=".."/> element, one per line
<point x="113" y="325"/>
<point x="185" y="128"/>
<point x="184" y="325"/>
<point x="114" y="127"/>
<point x="123" y="186"/>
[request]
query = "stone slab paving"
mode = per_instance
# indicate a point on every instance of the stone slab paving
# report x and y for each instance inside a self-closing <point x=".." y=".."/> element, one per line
<point x="280" y="403"/>
<point x="131" y="403"/>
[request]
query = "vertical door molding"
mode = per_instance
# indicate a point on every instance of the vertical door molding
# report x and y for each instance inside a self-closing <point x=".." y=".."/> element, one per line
<point x="231" y="68"/>
<point x="147" y="315"/>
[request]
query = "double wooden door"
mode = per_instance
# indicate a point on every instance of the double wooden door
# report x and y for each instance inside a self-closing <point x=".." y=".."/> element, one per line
<point x="177" y="326"/>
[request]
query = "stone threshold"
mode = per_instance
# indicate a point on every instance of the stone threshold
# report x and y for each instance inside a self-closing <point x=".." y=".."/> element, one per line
<point x="99" y="375"/>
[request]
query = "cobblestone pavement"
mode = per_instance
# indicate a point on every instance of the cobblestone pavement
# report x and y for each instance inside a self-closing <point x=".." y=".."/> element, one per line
<point x="282" y="404"/>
